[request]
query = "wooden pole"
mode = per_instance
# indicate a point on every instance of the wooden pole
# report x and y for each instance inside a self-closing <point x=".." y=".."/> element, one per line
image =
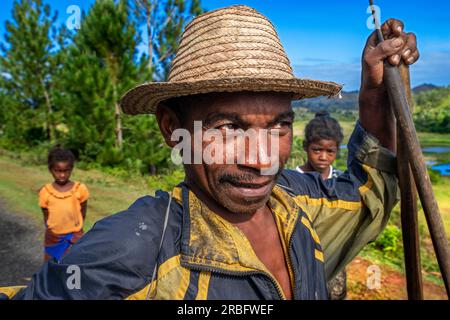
<point x="408" y="207"/>
<point x="399" y="102"/>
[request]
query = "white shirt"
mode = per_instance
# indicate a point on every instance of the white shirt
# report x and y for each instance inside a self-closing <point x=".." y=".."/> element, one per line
<point x="333" y="172"/>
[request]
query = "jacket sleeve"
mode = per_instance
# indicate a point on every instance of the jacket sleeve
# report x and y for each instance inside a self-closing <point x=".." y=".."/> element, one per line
<point x="350" y="210"/>
<point x="112" y="261"/>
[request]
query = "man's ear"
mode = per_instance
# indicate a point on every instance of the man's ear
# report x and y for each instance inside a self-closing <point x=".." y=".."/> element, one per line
<point x="168" y="122"/>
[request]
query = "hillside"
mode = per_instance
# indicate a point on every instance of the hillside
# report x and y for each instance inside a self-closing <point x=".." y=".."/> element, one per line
<point x="431" y="107"/>
<point x="424" y="87"/>
<point x="432" y="110"/>
<point x="348" y="101"/>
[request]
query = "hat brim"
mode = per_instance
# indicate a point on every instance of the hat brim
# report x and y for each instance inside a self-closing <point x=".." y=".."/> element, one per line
<point x="144" y="99"/>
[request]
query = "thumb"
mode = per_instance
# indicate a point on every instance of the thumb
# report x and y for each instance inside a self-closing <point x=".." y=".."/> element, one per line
<point x="377" y="53"/>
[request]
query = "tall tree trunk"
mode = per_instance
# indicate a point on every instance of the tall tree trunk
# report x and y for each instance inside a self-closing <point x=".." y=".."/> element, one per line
<point x="117" y="116"/>
<point x="148" y="12"/>
<point x="49" y="115"/>
<point x="119" y="138"/>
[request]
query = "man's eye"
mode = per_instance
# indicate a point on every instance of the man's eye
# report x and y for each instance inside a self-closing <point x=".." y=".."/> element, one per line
<point x="281" y="128"/>
<point x="227" y="127"/>
<point x="282" y="124"/>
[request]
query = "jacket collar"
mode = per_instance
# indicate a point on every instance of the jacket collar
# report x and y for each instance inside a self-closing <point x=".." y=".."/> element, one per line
<point x="209" y="242"/>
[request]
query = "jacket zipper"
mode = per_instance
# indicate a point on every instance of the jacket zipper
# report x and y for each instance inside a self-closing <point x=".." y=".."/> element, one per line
<point x="294" y="270"/>
<point x="247" y="273"/>
<point x="238" y="274"/>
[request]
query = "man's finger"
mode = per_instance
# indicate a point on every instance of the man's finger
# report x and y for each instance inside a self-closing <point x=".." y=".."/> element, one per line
<point x="392" y="27"/>
<point x="395" y="59"/>
<point x="406" y="54"/>
<point x="413" y="58"/>
<point x="383" y="50"/>
<point x="410" y="46"/>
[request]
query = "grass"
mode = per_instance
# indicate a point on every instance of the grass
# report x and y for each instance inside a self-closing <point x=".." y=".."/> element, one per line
<point x="19" y="186"/>
<point x="442" y="193"/>
<point x="434" y="139"/>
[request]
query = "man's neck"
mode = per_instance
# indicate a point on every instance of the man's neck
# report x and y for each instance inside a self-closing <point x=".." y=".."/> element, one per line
<point x="260" y="229"/>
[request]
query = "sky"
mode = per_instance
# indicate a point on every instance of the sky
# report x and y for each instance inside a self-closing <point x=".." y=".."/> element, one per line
<point x="324" y="39"/>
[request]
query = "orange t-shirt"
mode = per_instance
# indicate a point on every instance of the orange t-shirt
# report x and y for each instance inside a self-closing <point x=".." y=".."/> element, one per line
<point x="64" y="208"/>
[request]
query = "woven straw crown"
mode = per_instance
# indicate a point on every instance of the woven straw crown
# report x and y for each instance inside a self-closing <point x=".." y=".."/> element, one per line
<point x="226" y="50"/>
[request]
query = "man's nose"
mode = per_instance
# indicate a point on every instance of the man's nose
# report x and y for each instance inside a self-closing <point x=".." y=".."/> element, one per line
<point x="256" y="164"/>
<point x="323" y="156"/>
<point x="258" y="155"/>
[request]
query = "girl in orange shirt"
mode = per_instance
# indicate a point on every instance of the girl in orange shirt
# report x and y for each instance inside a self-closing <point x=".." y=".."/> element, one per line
<point x="64" y="204"/>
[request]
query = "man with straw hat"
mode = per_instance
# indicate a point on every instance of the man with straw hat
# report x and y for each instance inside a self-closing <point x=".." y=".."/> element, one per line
<point x="240" y="226"/>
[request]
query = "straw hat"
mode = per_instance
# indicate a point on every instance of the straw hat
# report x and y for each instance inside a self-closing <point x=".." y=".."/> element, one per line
<point x="226" y="50"/>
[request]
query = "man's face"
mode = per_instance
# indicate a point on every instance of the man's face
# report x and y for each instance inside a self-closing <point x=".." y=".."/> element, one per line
<point x="241" y="187"/>
<point x="321" y="154"/>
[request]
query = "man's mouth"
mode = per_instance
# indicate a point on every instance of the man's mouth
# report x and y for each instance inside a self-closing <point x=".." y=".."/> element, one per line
<point x="246" y="189"/>
<point x="249" y="185"/>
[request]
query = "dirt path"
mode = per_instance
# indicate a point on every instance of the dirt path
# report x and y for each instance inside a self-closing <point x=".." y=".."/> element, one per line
<point x="20" y="247"/>
<point x="392" y="286"/>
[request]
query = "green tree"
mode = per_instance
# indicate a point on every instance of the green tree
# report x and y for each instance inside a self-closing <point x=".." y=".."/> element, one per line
<point x="27" y="64"/>
<point x="9" y="129"/>
<point x="65" y="85"/>
<point x="432" y="110"/>
<point x="96" y="70"/>
<point x="85" y="95"/>
<point x="109" y="33"/>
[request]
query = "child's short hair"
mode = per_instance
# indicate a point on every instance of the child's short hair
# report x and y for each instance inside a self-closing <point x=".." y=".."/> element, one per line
<point x="58" y="154"/>
<point x="323" y="127"/>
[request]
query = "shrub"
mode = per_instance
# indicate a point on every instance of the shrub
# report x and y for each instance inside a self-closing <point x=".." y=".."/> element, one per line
<point x="389" y="241"/>
<point x="435" y="176"/>
<point x="298" y="155"/>
<point x="166" y="181"/>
